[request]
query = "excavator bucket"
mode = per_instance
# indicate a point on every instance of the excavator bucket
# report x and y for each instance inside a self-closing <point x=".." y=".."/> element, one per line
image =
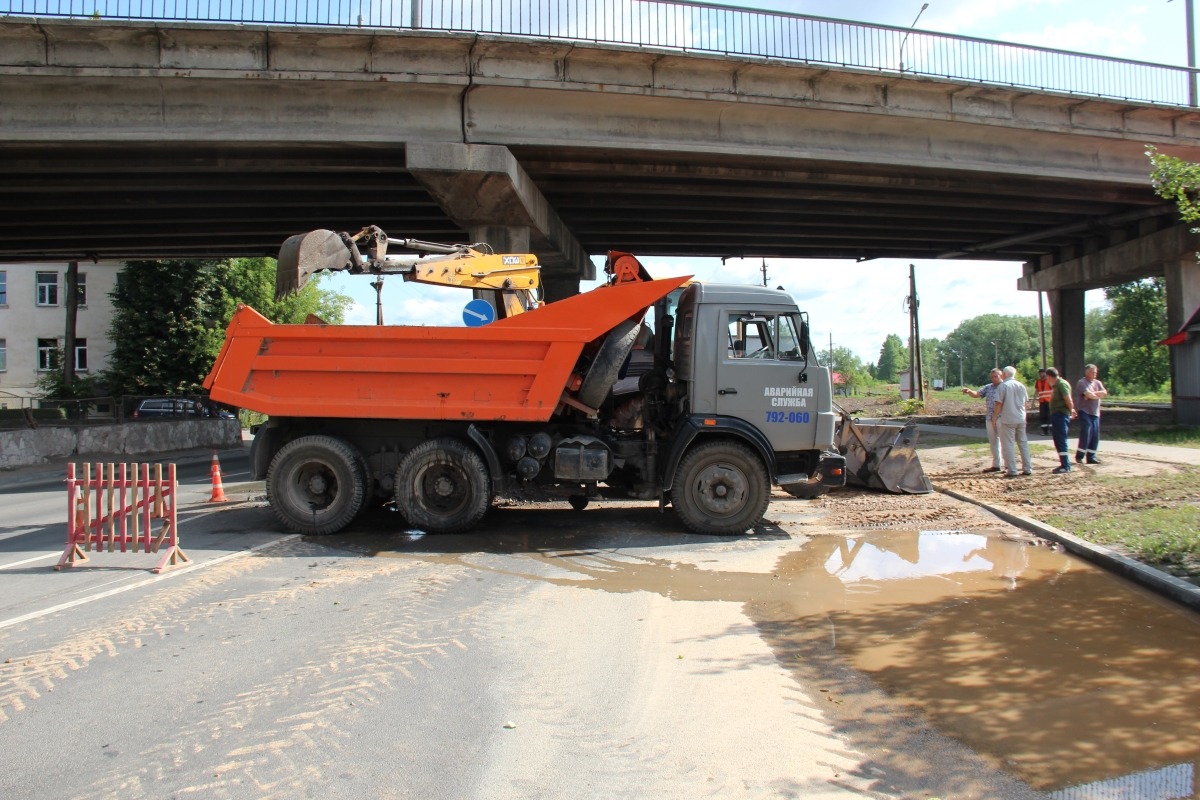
<point x="882" y="457"/>
<point x="302" y="255"/>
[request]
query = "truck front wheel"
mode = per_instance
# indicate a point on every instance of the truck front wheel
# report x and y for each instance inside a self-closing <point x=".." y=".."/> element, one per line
<point x="721" y="488"/>
<point x="316" y="485"/>
<point x="442" y="486"/>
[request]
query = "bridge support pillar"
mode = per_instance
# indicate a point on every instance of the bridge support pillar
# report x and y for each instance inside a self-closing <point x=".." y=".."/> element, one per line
<point x="502" y="238"/>
<point x="1066" y="326"/>
<point x="1183" y="297"/>
<point x="485" y="191"/>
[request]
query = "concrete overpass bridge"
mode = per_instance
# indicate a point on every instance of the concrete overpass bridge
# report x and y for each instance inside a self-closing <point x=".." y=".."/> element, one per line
<point x="144" y="139"/>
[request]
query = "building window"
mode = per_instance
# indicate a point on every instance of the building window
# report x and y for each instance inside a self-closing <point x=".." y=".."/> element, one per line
<point x="81" y="355"/>
<point x="47" y="288"/>
<point x="47" y="355"/>
<point x="3" y="355"/>
<point x="3" y="288"/>
<point x="81" y="290"/>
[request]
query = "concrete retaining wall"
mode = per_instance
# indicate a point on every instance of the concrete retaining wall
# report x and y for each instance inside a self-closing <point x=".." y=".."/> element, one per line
<point x="24" y="448"/>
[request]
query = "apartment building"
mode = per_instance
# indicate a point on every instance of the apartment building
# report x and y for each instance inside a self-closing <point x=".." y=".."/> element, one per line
<point x="33" y="323"/>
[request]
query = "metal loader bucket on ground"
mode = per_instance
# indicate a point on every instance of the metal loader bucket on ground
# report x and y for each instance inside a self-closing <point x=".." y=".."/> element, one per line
<point x="882" y="457"/>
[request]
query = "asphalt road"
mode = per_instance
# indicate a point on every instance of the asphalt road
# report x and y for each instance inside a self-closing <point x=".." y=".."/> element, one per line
<point x="551" y="654"/>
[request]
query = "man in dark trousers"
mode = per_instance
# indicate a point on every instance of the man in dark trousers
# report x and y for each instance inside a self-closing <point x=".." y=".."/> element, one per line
<point x="1089" y="391"/>
<point x="1062" y="411"/>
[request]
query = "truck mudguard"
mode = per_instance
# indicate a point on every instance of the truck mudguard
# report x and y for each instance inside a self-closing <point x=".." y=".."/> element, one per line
<point x="697" y="425"/>
<point x="495" y="470"/>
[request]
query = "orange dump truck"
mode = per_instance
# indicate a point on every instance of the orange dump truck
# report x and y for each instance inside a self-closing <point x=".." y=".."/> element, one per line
<point x="702" y="403"/>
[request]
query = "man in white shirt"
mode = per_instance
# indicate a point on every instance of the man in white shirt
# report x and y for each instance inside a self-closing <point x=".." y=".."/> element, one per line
<point x="1009" y="418"/>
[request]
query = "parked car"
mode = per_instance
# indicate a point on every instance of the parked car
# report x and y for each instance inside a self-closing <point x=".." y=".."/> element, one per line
<point x="169" y="407"/>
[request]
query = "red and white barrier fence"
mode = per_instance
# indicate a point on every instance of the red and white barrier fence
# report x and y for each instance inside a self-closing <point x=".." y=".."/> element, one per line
<point x="115" y="506"/>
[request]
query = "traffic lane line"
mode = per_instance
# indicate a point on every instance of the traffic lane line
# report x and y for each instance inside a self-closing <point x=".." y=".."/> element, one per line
<point x="166" y="576"/>
<point x="42" y="557"/>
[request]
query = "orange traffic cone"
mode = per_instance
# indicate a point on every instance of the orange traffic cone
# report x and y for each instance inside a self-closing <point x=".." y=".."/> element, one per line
<point x="218" y="492"/>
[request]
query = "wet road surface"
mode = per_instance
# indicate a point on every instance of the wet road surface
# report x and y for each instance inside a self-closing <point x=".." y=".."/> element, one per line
<point x="803" y="660"/>
<point x="1075" y="681"/>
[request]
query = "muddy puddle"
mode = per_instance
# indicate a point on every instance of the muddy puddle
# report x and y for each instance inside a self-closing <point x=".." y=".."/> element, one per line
<point x="1074" y="681"/>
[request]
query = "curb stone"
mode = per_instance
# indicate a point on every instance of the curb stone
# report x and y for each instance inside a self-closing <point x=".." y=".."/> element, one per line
<point x="1156" y="580"/>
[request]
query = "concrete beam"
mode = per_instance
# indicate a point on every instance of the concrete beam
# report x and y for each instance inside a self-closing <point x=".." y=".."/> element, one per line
<point x="483" y="186"/>
<point x="1143" y="257"/>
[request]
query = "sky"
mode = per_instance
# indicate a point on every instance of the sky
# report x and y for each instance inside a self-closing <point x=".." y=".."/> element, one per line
<point x="865" y="302"/>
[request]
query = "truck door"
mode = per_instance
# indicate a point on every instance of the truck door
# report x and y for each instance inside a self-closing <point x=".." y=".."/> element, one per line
<point x="758" y="378"/>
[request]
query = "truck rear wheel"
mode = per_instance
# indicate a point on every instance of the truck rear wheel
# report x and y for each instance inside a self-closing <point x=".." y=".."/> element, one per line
<point x="316" y="485"/>
<point x="721" y="488"/>
<point x="442" y="486"/>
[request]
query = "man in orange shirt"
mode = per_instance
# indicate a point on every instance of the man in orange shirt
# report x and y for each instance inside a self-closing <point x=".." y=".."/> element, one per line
<point x="1043" y="388"/>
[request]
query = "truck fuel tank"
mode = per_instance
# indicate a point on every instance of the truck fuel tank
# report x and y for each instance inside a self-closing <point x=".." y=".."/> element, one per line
<point x="583" y="459"/>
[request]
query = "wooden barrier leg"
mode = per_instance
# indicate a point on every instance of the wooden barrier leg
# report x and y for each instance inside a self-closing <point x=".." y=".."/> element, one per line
<point x="72" y="553"/>
<point x="174" y="555"/>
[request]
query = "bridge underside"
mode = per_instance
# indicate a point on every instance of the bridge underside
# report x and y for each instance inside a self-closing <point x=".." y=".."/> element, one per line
<point x="145" y="200"/>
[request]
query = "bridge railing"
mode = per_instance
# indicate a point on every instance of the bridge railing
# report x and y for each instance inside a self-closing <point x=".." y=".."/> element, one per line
<point x="689" y="26"/>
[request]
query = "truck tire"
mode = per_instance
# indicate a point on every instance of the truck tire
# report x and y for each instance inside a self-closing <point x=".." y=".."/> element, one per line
<point x="316" y="485"/>
<point x="606" y="366"/>
<point x="443" y="486"/>
<point x="806" y="491"/>
<point x="721" y="488"/>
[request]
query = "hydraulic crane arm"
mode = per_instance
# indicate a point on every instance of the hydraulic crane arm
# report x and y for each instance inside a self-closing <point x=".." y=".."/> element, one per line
<point x="516" y="276"/>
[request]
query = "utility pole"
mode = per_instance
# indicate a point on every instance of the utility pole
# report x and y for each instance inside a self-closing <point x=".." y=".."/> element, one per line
<point x="915" y="368"/>
<point x="1042" y="323"/>
<point x="1190" y="18"/>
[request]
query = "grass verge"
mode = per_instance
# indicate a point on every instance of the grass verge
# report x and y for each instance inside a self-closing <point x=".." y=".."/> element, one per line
<point x="1156" y="519"/>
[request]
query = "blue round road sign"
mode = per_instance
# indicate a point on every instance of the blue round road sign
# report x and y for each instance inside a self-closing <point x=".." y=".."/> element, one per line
<point x="478" y="312"/>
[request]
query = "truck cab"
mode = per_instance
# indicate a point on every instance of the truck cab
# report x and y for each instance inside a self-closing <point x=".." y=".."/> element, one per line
<point x="747" y="369"/>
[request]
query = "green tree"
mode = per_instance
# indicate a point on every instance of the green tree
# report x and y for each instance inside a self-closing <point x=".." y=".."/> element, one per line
<point x="1099" y="348"/>
<point x="1136" y="324"/>
<point x="252" y="281"/>
<point x="169" y="318"/>
<point x="932" y="361"/>
<point x="1176" y="179"/>
<point x="842" y="360"/>
<point x="166" y="327"/>
<point x="994" y="340"/>
<point x="893" y="358"/>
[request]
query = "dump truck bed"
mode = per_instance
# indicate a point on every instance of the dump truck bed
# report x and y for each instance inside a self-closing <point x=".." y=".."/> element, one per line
<point x="513" y="369"/>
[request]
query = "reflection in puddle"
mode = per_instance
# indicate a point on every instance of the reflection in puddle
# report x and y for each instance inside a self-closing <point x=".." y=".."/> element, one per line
<point x="1077" y="682"/>
<point x="1065" y="674"/>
